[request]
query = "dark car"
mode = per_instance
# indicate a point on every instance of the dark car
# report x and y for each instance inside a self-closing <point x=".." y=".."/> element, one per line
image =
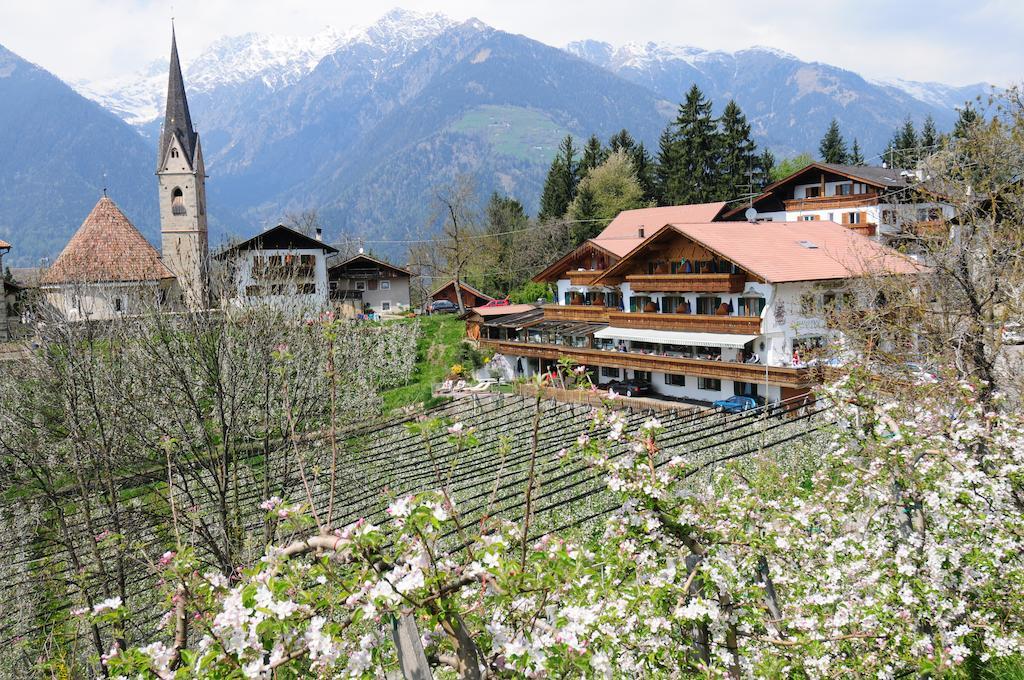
<point x="736" y="404"/>
<point x="442" y="307"/>
<point x="633" y="387"/>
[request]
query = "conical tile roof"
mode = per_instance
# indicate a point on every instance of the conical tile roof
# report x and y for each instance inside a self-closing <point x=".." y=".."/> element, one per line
<point x="107" y="247"/>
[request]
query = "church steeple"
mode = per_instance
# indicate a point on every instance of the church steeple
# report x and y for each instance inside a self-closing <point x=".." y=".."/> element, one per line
<point x="181" y="179"/>
<point x="177" y="119"/>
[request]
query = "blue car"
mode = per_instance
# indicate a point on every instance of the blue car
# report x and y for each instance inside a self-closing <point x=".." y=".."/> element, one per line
<point x="735" y="404"/>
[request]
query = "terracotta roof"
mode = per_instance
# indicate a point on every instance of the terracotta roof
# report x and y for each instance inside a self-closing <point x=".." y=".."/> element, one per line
<point x="622" y="234"/>
<point x="4" y="244"/>
<point x="780" y="252"/>
<point x="107" y="247"/>
<point x="503" y="310"/>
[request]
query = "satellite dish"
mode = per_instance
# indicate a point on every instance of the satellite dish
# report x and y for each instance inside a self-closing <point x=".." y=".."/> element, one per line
<point x="751" y="214"/>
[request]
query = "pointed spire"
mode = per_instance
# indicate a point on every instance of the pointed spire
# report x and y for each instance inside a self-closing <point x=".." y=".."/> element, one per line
<point x="177" y="121"/>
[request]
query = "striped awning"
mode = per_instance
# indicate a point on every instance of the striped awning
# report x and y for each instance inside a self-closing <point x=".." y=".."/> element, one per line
<point x="675" y="337"/>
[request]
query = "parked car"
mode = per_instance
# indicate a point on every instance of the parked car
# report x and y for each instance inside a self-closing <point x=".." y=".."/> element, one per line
<point x="736" y="404"/>
<point x="442" y="307"/>
<point x="632" y="387"/>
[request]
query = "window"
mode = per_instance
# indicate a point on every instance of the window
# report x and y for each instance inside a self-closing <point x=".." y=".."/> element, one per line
<point x="177" y="202"/>
<point x="307" y="289"/>
<point x="708" y="305"/>
<point x="854" y="218"/>
<point x="162" y="296"/>
<point x="674" y="379"/>
<point x="844" y="189"/>
<point x="385" y="306"/>
<point x="642" y="375"/>
<point x="807" y="218"/>
<point x="118" y="305"/>
<point x="253" y="291"/>
<point x="751" y="306"/>
<point x="812" y="192"/>
<point x="360" y="285"/>
<point x="385" y="285"/>
<point x="889" y="217"/>
<point x="174" y="153"/>
<point x="744" y="389"/>
<point x="807" y="304"/>
<point x="710" y="384"/>
<point x="610" y="372"/>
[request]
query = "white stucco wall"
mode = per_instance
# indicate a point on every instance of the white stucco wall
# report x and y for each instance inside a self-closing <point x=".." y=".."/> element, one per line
<point x="289" y="299"/>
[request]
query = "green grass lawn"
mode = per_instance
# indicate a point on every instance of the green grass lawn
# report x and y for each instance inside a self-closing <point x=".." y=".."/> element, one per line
<point x="436" y="351"/>
<point x="516" y="131"/>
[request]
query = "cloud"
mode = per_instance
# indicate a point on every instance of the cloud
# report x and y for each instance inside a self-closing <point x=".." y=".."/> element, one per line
<point x="939" y="40"/>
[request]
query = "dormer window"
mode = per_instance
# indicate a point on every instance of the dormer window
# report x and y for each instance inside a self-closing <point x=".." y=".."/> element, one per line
<point x="177" y="202"/>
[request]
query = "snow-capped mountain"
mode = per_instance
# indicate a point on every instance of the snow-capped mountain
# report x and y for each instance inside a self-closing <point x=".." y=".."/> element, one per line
<point x="271" y="62"/>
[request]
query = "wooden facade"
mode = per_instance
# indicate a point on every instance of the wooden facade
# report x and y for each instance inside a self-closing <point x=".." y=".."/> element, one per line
<point x="592" y="313"/>
<point x="725" y="370"/>
<point x="831" y="202"/>
<point x="699" y="323"/>
<point x="688" y="283"/>
<point x="584" y="277"/>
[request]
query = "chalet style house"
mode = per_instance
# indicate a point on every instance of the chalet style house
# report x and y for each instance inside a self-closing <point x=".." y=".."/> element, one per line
<point x="700" y="309"/>
<point x="280" y="268"/>
<point x="471" y="297"/>
<point x="361" y="283"/>
<point x="108" y="268"/>
<point x="883" y="203"/>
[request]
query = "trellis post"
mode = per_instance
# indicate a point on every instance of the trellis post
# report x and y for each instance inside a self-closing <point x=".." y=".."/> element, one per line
<point x="411" y="658"/>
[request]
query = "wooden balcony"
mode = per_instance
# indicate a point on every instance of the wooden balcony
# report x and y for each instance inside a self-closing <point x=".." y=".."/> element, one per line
<point x="929" y="228"/>
<point x="687" y="283"/>
<point x="725" y="370"/>
<point x="585" y="277"/>
<point x="868" y="229"/>
<point x="594" y="313"/>
<point x="698" y="323"/>
<point x="832" y="202"/>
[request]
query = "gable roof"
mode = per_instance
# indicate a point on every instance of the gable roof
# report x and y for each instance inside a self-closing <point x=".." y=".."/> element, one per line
<point x="621" y="234"/>
<point x="361" y="256"/>
<point x="464" y="286"/>
<point x="280" y="237"/>
<point x="5" y="244"/>
<point x="557" y="268"/>
<point x="876" y="176"/>
<point x="782" y="252"/>
<point x="107" y="247"/>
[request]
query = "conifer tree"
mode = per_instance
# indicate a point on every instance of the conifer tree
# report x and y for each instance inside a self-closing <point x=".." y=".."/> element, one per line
<point x="832" y="148"/>
<point x="689" y="169"/>
<point x="622" y="141"/>
<point x="584" y="213"/>
<point x="929" y="137"/>
<point x="645" y="169"/>
<point x="560" y="185"/>
<point x="738" y="162"/>
<point x="765" y="166"/>
<point x="907" y="144"/>
<point x="856" y="156"/>
<point x="966" y="122"/>
<point x="593" y="155"/>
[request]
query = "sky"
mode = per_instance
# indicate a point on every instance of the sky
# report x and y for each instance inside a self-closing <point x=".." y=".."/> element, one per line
<point x="953" y="42"/>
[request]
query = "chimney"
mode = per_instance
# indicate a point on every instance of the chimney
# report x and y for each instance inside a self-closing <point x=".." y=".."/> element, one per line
<point x="319" y="234"/>
<point x="640" y="231"/>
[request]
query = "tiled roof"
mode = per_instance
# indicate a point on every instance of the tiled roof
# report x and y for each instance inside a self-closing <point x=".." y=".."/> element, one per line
<point x="799" y="251"/>
<point x="4" y="244"/>
<point x="503" y="310"/>
<point x="622" y="234"/>
<point x="107" y="247"/>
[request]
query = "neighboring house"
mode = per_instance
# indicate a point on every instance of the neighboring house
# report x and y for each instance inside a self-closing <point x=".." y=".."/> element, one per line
<point x="5" y="334"/>
<point x="884" y="203"/>
<point x="281" y="268"/>
<point x="471" y="297"/>
<point x="106" y="270"/>
<point x="702" y="311"/>
<point x="477" y="316"/>
<point x="362" y="282"/>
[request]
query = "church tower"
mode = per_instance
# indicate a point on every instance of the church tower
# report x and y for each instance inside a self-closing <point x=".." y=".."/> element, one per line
<point x="181" y="177"/>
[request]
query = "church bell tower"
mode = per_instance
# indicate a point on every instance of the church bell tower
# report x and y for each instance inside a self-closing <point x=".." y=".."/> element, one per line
<point x="181" y="178"/>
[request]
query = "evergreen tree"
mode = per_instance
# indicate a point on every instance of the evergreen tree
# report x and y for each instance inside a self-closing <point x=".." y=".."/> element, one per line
<point x="584" y="212"/>
<point x="693" y="173"/>
<point x="560" y="185"/>
<point x="622" y="141"/>
<point x="505" y="216"/>
<point x="737" y="167"/>
<point x="765" y="167"/>
<point x="906" y="145"/>
<point x="832" y="148"/>
<point x="929" y="137"/>
<point x="644" y="167"/>
<point x="966" y="122"/>
<point x="664" y="171"/>
<point x="856" y="157"/>
<point x="593" y="155"/>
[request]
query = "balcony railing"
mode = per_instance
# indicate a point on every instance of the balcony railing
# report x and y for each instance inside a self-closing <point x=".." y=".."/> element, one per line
<point x="728" y="370"/>
<point x="867" y="229"/>
<point x="828" y="202"/>
<point x="687" y="283"/>
<point x="595" y="313"/>
<point x="699" y="323"/>
<point x="583" y="278"/>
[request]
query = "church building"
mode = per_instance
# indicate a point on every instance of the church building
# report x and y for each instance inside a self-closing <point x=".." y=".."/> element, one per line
<point x="108" y="268"/>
